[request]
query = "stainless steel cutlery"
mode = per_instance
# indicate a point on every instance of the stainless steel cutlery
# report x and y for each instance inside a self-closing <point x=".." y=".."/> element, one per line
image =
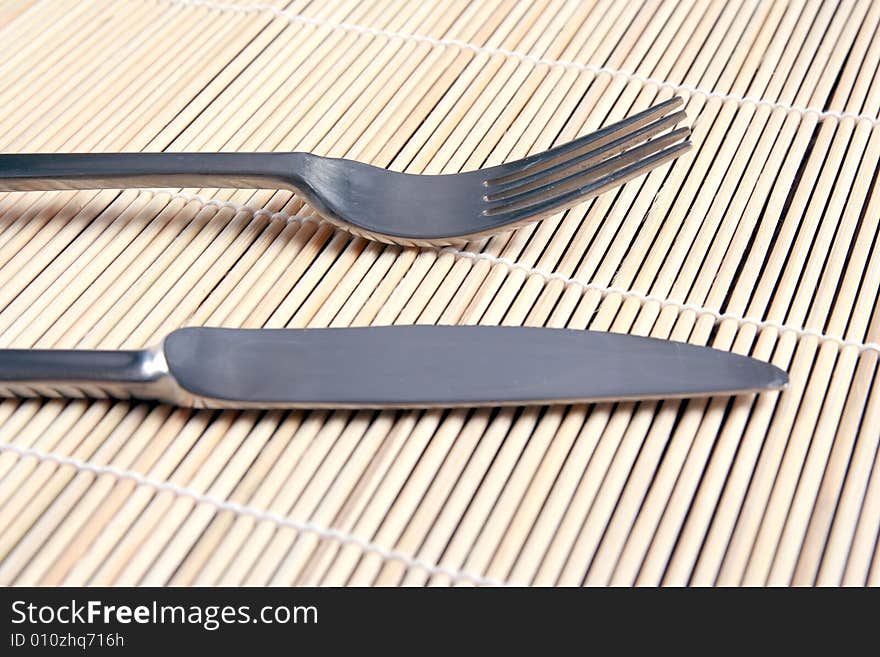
<point x="397" y="366"/>
<point x="386" y="205"/>
<point x="387" y="367"/>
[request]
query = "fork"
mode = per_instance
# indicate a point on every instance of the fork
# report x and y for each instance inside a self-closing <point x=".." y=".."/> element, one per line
<point x="388" y="206"/>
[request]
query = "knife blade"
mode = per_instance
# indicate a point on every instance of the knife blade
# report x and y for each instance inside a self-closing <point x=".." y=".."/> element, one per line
<point x="387" y="367"/>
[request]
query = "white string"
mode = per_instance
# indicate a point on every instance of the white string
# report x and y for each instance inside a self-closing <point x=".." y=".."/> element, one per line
<point x="532" y="59"/>
<point x="258" y="514"/>
<point x="604" y="290"/>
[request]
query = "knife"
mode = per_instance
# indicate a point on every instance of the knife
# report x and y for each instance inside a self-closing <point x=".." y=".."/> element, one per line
<point x="387" y="367"/>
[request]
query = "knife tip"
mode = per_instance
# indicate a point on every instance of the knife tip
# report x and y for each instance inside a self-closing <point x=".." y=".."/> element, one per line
<point x="777" y="379"/>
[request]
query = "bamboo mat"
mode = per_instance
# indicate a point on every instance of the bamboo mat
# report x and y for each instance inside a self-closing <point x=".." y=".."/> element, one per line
<point x="761" y="241"/>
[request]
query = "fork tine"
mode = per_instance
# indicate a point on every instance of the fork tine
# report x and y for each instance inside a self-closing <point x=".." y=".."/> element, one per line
<point x="549" y="204"/>
<point x="582" y="178"/>
<point x="549" y="158"/>
<point x="583" y="161"/>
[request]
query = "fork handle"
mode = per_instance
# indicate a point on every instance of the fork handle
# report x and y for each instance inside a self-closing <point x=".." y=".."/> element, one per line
<point x="51" y="171"/>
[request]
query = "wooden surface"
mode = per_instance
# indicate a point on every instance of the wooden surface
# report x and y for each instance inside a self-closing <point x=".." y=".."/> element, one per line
<point x="762" y="241"/>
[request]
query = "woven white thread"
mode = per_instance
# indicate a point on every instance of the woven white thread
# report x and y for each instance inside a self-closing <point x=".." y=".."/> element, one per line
<point x="258" y="514"/>
<point x="604" y="290"/>
<point x="532" y="59"/>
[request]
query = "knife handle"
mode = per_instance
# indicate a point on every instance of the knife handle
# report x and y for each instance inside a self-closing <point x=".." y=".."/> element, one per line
<point x="85" y="373"/>
<point x="23" y="172"/>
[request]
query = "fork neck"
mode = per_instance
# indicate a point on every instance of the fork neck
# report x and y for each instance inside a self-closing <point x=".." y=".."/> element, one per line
<point x="51" y="171"/>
